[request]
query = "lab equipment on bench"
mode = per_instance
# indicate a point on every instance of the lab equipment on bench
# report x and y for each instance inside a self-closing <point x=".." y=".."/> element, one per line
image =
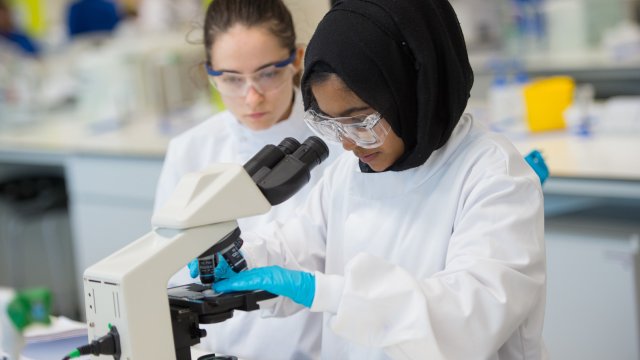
<point x="131" y="314"/>
<point x="19" y="309"/>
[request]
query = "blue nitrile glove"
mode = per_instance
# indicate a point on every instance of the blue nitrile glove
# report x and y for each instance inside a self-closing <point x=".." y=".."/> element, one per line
<point x="222" y="270"/>
<point x="194" y="271"/>
<point x="300" y="286"/>
<point x="536" y="161"/>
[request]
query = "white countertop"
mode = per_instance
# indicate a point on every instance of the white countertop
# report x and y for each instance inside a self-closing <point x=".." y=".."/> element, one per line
<point x="65" y="134"/>
<point x="614" y="157"/>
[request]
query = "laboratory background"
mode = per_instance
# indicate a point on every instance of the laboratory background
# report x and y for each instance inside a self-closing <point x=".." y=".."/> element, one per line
<point x="91" y="92"/>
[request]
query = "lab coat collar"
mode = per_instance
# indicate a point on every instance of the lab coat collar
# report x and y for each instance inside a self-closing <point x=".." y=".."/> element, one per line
<point x="395" y="183"/>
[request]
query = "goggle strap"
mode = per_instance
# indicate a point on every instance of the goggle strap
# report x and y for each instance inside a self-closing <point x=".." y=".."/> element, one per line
<point x="212" y="72"/>
<point x="279" y="64"/>
<point x="287" y="61"/>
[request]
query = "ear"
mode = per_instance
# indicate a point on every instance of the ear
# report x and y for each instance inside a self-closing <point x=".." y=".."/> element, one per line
<point x="297" y="63"/>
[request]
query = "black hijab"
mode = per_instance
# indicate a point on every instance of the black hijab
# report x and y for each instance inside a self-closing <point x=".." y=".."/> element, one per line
<point x="405" y="58"/>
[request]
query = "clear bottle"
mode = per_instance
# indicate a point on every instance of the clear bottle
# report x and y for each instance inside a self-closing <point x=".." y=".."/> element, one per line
<point x="520" y="81"/>
<point x="507" y="106"/>
<point x="500" y="112"/>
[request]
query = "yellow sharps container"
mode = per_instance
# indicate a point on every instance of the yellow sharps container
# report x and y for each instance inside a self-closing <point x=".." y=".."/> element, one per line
<point x="546" y="100"/>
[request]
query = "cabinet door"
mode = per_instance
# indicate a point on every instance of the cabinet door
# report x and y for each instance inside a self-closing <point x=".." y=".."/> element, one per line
<point x="592" y="289"/>
<point x="111" y="203"/>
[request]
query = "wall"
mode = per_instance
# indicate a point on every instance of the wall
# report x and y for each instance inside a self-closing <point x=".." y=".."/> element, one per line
<point x="306" y="16"/>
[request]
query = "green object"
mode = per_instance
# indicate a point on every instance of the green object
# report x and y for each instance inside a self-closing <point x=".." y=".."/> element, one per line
<point x="216" y="99"/>
<point x="74" y="354"/>
<point x="30" y="306"/>
<point x="31" y="16"/>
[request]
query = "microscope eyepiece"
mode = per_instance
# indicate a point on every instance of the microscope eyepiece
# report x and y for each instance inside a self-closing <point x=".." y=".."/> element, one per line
<point x="289" y="145"/>
<point x="280" y="171"/>
<point x="312" y="152"/>
<point x="270" y="155"/>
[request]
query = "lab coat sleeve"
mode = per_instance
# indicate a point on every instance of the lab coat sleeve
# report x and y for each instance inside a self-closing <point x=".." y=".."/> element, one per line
<point x="299" y="244"/>
<point x="493" y="277"/>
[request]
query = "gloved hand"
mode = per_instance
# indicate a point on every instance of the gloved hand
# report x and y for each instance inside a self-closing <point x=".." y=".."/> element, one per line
<point x="299" y="286"/>
<point x="222" y="270"/>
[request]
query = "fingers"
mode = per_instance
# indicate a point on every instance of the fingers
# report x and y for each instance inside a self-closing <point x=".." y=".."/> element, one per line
<point x="193" y="269"/>
<point x="241" y="282"/>
<point x="297" y="285"/>
<point x="254" y="279"/>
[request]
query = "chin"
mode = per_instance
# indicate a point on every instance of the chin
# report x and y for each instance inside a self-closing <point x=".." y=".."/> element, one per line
<point x="378" y="167"/>
<point x="257" y="126"/>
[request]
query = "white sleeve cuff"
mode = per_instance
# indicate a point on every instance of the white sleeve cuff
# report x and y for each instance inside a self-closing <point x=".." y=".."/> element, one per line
<point x="249" y="251"/>
<point x="328" y="293"/>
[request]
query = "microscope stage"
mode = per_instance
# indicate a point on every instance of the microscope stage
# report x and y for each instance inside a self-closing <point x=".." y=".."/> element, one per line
<point x="212" y="307"/>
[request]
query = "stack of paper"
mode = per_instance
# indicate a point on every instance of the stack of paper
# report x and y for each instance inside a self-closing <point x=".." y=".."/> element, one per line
<point x="54" y="341"/>
<point x="60" y="328"/>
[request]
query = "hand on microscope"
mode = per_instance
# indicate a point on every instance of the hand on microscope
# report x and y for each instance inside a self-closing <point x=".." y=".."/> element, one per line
<point x="222" y="270"/>
<point x="299" y="286"/>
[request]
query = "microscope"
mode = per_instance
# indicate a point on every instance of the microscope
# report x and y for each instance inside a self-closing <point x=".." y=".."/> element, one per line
<point x="130" y="312"/>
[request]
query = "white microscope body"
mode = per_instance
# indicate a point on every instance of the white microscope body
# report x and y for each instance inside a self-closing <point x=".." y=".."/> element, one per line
<point x="129" y="288"/>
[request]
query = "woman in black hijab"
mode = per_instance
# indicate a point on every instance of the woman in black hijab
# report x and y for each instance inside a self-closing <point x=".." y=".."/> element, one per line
<point x="406" y="59"/>
<point x="429" y="243"/>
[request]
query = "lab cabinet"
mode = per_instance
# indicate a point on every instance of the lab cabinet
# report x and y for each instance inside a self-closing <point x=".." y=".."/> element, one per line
<point x="593" y="284"/>
<point x="35" y="234"/>
<point x="111" y="203"/>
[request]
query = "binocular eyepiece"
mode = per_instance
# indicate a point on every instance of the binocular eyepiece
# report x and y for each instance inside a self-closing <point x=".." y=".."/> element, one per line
<point x="280" y="171"/>
<point x="311" y="153"/>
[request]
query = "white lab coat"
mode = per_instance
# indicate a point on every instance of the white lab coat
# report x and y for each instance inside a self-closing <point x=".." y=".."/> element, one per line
<point x="442" y="261"/>
<point x="222" y="139"/>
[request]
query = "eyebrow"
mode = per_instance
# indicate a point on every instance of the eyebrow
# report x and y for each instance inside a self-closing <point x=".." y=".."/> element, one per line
<point x="258" y="69"/>
<point x="289" y="60"/>
<point x="352" y="110"/>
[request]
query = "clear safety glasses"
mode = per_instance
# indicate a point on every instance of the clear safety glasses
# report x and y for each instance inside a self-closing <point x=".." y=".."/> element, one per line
<point x="366" y="131"/>
<point x="263" y="81"/>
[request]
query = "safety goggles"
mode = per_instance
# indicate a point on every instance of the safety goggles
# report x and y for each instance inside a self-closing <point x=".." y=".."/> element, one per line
<point x="263" y="81"/>
<point x="366" y="131"/>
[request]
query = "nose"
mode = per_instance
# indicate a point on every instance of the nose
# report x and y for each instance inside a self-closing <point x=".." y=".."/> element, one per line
<point x="253" y="97"/>
<point x="347" y="143"/>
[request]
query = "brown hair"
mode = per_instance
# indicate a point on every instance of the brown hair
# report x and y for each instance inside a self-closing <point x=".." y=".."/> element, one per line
<point x="272" y="14"/>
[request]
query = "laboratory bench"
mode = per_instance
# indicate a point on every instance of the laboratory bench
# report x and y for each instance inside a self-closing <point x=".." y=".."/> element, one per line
<point x="605" y="166"/>
<point x="593" y="286"/>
